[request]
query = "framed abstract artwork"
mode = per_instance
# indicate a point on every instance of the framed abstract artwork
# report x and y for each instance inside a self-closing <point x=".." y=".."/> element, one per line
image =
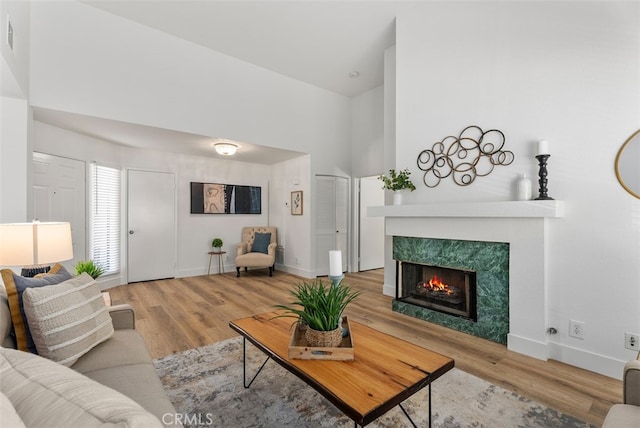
<point x="296" y="202"/>
<point x="215" y="198"/>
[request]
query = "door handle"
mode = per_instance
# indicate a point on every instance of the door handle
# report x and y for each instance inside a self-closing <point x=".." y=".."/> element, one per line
<point x="131" y="232"/>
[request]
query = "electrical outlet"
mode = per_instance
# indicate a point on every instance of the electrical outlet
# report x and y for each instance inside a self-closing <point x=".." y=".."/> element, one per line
<point x="632" y="341"/>
<point x="576" y="329"/>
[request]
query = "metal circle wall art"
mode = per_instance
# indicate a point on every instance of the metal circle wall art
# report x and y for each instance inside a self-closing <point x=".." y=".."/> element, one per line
<point x="473" y="153"/>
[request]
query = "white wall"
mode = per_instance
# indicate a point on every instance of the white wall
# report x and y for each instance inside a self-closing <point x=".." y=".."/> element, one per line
<point x="15" y="69"/>
<point x="14" y="172"/>
<point x="367" y="133"/>
<point x="293" y="230"/>
<point x="566" y="72"/>
<point x="15" y="114"/>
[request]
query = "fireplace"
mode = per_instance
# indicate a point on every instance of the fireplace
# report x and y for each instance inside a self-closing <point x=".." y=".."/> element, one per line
<point x="482" y="279"/>
<point x="444" y="289"/>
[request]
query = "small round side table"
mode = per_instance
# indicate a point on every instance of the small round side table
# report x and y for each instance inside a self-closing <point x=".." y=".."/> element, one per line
<point x="220" y="264"/>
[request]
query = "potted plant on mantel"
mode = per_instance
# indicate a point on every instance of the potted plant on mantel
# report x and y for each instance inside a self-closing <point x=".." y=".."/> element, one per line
<point x="397" y="181"/>
<point x="319" y="306"/>
<point x="217" y="244"/>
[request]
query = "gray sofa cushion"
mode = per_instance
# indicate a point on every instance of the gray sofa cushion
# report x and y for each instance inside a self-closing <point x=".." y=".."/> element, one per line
<point x="123" y="363"/>
<point x="126" y="347"/>
<point x="45" y="393"/>
<point x="141" y="383"/>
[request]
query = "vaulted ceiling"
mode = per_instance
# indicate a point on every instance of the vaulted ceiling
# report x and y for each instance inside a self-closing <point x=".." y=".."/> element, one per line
<point x="335" y="45"/>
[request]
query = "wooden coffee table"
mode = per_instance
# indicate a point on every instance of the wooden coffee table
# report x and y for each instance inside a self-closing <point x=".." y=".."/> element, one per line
<point x="385" y="372"/>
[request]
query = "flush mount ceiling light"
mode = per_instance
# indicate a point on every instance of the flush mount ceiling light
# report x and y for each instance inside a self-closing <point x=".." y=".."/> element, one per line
<point x="226" y="149"/>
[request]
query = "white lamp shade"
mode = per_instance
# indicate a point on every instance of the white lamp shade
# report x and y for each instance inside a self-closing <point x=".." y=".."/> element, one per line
<point x="31" y="244"/>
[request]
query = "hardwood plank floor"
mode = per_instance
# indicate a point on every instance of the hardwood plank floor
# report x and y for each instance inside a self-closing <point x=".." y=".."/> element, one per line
<point x="178" y="314"/>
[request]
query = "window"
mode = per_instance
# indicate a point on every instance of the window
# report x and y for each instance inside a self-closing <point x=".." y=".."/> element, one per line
<point x="104" y="243"/>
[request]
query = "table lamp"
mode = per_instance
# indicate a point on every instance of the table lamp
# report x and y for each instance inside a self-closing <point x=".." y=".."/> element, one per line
<point x="35" y="245"/>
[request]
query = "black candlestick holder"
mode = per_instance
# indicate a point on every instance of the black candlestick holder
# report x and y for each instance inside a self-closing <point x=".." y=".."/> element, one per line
<point x="542" y="180"/>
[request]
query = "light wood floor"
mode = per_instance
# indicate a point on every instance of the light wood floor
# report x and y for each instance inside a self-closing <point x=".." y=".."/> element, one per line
<point x="178" y="314"/>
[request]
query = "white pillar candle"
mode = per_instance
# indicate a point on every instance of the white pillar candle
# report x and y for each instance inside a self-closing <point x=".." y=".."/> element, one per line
<point x="335" y="263"/>
<point x="543" y="147"/>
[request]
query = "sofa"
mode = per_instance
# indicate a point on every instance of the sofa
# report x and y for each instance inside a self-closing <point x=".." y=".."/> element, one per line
<point x="257" y="249"/>
<point x="627" y="414"/>
<point x="113" y="383"/>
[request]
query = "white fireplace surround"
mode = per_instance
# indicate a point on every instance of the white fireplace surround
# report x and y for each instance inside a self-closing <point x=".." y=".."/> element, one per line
<point x="522" y="224"/>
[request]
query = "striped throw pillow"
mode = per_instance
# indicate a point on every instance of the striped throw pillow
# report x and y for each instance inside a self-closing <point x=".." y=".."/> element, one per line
<point x="68" y="319"/>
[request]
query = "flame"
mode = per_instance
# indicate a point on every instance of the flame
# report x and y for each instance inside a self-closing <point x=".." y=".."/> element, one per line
<point x="436" y="284"/>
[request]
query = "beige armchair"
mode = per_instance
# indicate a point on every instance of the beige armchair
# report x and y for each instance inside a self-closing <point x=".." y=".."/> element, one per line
<point x="627" y="414"/>
<point x="257" y="250"/>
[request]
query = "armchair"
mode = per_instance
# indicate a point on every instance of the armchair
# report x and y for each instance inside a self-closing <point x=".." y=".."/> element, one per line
<point x="257" y="249"/>
<point x="628" y="413"/>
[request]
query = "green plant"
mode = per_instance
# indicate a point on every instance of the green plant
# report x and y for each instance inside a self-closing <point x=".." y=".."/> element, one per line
<point x="320" y="305"/>
<point x="217" y="243"/>
<point x="397" y="180"/>
<point x="89" y="267"/>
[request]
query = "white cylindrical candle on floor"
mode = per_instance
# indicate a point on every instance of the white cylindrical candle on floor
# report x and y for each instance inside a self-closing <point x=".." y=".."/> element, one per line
<point x="335" y="263"/>
<point x="543" y="147"/>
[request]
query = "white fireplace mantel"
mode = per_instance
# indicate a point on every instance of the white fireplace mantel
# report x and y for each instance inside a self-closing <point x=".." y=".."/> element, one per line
<point x="503" y="209"/>
<point x="522" y="224"/>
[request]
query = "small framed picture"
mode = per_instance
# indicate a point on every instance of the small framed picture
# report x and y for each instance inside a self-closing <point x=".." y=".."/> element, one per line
<point x="296" y="202"/>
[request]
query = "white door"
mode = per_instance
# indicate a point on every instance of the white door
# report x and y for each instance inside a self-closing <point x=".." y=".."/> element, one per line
<point x="371" y="229"/>
<point x="332" y="221"/>
<point x="151" y="244"/>
<point x="59" y="195"/>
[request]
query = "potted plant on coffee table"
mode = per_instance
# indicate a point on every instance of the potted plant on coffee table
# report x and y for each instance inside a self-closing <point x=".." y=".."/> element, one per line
<point x="319" y="306"/>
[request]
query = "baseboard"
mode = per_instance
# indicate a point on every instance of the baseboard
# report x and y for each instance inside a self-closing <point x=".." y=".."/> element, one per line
<point x="593" y="362"/>
<point x="197" y="272"/>
<point x="104" y="283"/>
<point x="389" y="290"/>
<point x="295" y="271"/>
<point x="528" y="347"/>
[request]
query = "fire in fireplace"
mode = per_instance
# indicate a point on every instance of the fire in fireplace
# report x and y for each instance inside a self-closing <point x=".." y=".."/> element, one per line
<point x="444" y="289"/>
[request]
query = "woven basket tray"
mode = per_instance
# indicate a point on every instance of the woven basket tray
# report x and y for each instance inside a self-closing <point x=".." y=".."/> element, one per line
<point x="300" y="349"/>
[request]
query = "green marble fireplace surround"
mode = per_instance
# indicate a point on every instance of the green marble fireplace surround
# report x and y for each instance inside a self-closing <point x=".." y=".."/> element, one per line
<point x="490" y="261"/>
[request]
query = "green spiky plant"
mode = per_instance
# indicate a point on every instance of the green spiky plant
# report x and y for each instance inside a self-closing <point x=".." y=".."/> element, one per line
<point x="217" y="243"/>
<point x="319" y="305"/>
<point x="89" y="267"/>
<point x="397" y="180"/>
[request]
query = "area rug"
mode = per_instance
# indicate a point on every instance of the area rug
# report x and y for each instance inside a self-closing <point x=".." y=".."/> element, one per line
<point x="205" y="385"/>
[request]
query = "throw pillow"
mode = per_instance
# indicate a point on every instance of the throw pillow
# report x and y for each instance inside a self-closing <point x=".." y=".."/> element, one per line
<point x="67" y="320"/>
<point x="15" y="285"/>
<point x="261" y="243"/>
<point x="46" y="394"/>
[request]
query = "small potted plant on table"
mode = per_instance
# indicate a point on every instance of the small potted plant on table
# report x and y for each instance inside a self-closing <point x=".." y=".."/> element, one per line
<point x="319" y="306"/>
<point x="217" y="244"/>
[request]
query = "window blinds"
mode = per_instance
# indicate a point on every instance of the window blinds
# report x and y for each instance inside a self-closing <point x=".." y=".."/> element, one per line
<point x="105" y="218"/>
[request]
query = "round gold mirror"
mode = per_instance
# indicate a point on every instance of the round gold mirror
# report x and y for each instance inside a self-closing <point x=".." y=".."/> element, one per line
<point x="628" y="165"/>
